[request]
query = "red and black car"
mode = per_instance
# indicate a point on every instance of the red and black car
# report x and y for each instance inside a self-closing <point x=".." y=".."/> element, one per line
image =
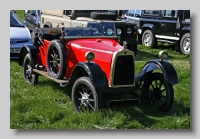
<point x="97" y="67"/>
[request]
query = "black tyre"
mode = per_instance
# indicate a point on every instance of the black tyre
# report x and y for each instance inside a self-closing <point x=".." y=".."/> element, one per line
<point x="148" y="39"/>
<point x="56" y="59"/>
<point x="158" y="92"/>
<point x="48" y="25"/>
<point x="185" y="44"/>
<point x="29" y="75"/>
<point x="133" y="47"/>
<point x="85" y="97"/>
<point x="103" y="15"/>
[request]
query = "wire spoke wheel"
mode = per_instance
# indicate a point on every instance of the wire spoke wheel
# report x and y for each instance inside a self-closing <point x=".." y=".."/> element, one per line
<point x="158" y="92"/>
<point x="29" y="75"/>
<point x="85" y="97"/>
<point x="56" y="59"/>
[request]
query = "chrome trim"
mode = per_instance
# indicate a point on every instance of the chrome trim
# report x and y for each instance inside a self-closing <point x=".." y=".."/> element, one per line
<point x="167" y="37"/>
<point x="112" y="69"/>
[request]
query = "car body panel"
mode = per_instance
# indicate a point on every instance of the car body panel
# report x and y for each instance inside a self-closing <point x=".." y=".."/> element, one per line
<point x="19" y="35"/>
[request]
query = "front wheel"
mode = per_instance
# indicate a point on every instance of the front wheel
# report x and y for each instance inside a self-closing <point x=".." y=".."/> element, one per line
<point x="29" y="75"/>
<point x="85" y="97"/>
<point x="148" y="39"/>
<point x="157" y="92"/>
<point x="185" y="44"/>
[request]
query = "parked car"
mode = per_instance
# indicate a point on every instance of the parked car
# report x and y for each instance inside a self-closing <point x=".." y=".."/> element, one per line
<point x="33" y="18"/>
<point x="85" y="18"/>
<point x="97" y="66"/>
<point x="168" y="26"/>
<point x="19" y="35"/>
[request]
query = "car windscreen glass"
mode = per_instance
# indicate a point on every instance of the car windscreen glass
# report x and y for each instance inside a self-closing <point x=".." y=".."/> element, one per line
<point x="15" y="21"/>
<point x="94" y="29"/>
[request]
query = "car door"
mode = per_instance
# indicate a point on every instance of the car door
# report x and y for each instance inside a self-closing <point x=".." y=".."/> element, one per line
<point x="136" y="17"/>
<point x="168" y="24"/>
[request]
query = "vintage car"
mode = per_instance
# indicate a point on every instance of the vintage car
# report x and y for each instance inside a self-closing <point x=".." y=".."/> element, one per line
<point x="97" y="67"/>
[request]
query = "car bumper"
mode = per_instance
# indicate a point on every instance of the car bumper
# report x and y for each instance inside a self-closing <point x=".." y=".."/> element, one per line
<point x="15" y="49"/>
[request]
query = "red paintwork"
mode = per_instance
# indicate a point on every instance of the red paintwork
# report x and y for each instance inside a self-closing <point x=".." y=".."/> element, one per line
<point x="76" y="49"/>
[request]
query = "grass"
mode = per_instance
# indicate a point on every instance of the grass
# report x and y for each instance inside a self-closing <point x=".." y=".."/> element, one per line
<point x="49" y="106"/>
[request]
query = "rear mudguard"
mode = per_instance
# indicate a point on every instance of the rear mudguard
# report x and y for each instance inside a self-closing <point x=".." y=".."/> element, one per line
<point x="28" y="48"/>
<point x="168" y="71"/>
<point x="92" y="70"/>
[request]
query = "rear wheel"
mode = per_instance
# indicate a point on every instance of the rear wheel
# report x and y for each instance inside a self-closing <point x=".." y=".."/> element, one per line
<point x="85" y="97"/>
<point x="157" y="92"/>
<point x="185" y="44"/>
<point x="56" y="59"/>
<point x="29" y="75"/>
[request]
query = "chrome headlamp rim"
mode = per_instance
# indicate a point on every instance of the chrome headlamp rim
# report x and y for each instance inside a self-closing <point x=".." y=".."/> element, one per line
<point x="89" y="56"/>
<point x="163" y="55"/>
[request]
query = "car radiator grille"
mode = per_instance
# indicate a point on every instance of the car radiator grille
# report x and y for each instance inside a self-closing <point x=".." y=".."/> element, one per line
<point x="124" y="70"/>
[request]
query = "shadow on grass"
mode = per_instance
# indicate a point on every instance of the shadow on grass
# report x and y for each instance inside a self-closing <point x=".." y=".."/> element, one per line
<point x="44" y="81"/>
<point x="147" y="115"/>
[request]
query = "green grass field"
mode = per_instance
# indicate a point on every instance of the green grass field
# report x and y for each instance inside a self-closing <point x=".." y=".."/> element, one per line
<point x="49" y="106"/>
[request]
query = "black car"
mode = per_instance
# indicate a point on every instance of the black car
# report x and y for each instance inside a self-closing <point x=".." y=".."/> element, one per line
<point x="168" y="26"/>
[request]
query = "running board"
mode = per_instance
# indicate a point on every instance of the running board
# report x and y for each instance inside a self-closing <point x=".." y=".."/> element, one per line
<point x="166" y="41"/>
<point x="123" y="100"/>
<point x="44" y="73"/>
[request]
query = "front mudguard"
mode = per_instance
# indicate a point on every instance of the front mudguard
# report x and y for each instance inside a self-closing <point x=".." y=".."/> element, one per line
<point x="90" y="69"/>
<point x="167" y="69"/>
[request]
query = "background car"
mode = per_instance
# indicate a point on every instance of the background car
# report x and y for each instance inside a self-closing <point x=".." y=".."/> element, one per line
<point x="166" y="26"/>
<point x="19" y="35"/>
<point x="86" y="18"/>
<point x="33" y="18"/>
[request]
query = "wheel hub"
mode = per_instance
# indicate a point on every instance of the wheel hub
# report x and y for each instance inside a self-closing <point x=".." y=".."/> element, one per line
<point x="29" y="71"/>
<point x="157" y="94"/>
<point x="85" y="99"/>
<point x="186" y="44"/>
<point x="147" y="40"/>
<point x="55" y="61"/>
